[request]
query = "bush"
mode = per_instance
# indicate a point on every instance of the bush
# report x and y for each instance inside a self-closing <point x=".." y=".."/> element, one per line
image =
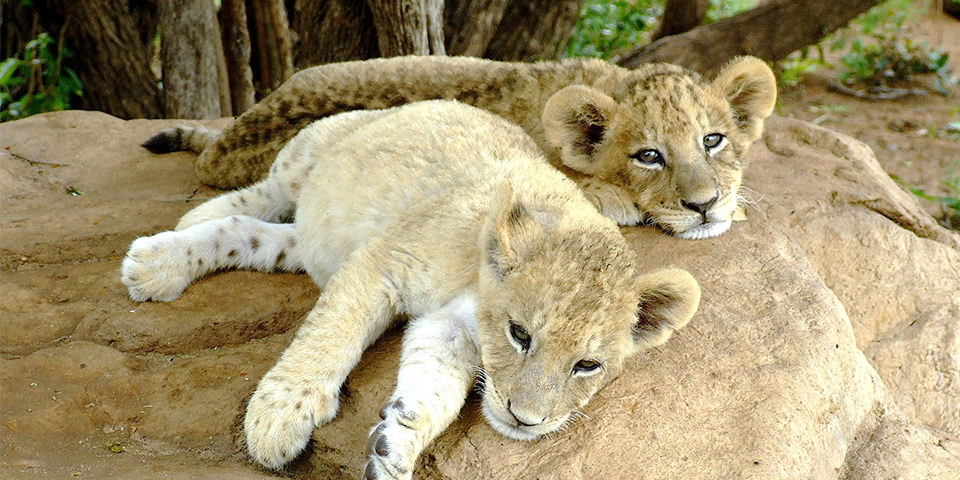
<point x="37" y="81"/>
<point x="887" y="56"/>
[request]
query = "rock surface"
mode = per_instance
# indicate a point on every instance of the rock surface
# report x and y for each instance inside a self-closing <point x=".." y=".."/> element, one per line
<point x="826" y="345"/>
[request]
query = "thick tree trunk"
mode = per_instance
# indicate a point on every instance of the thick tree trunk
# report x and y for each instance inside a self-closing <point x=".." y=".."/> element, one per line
<point x="16" y="27"/>
<point x="272" y="41"/>
<point x="112" y="50"/>
<point x="334" y="31"/>
<point x="534" y="29"/>
<point x="680" y="16"/>
<point x="408" y="27"/>
<point x="236" y="52"/>
<point x="191" y="82"/>
<point x="469" y="25"/>
<point x="771" y="31"/>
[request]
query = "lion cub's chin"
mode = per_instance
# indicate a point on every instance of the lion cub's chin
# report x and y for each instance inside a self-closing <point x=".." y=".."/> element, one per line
<point x="501" y="421"/>
<point x="705" y="230"/>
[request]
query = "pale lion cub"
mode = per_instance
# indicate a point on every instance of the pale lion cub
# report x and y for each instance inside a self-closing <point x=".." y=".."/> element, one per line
<point x="447" y="214"/>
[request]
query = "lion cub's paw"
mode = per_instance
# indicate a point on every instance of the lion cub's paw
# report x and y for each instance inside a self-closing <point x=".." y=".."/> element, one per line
<point x="393" y="444"/>
<point x="280" y="418"/>
<point x="157" y="267"/>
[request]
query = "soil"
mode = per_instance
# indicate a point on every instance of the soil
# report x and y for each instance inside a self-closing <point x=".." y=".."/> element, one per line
<point x="42" y="304"/>
<point x="908" y="135"/>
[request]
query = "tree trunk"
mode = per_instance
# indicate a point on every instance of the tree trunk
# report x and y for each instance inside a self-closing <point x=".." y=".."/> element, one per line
<point x="112" y="50"/>
<point x="17" y="24"/>
<point x="236" y="52"/>
<point x="469" y="25"/>
<point x="191" y="85"/>
<point x="408" y="27"/>
<point x="534" y="30"/>
<point x="334" y="31"/>
<point x="272" y="41"/>
<point x="680" y="16"/>
<point x="771" y="31"/>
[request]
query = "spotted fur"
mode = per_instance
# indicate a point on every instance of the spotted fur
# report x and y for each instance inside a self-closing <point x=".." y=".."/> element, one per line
<point x="451" y="216"/>
<point x="591" y="118"/>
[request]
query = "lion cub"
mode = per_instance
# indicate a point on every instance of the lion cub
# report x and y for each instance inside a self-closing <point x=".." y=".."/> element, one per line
<point x="447" y="214"/>
<point x="657" y="145"/>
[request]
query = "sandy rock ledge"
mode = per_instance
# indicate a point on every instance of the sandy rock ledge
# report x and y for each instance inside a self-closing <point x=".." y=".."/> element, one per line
<point x="826" y="346"/>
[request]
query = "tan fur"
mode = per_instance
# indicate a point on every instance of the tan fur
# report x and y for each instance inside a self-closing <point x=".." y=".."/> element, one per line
<point x="589" y="132"/>
<point x="452" y="216"/>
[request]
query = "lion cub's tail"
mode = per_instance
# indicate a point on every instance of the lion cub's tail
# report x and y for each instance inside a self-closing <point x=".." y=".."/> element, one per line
<point x="194" y="139"/>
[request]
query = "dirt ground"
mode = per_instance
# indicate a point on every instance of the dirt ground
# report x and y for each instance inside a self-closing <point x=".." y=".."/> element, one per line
<point x="906" y="135"/>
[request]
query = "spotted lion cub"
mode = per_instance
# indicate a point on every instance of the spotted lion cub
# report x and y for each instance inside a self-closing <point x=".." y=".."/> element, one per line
<point x="452" y="216"/>
<point x="657" y="145"/>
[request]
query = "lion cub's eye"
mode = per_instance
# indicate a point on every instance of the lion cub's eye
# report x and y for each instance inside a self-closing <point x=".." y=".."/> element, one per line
<point x="586" y="366"/>
<point x="648" y="158"/>
<point x="520" y="335"/>
<point x="712" y="141"/>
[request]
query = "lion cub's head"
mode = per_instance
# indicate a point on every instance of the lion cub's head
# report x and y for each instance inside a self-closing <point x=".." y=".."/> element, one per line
<point x="559" y="312"/>
<point x="667" y="147"/>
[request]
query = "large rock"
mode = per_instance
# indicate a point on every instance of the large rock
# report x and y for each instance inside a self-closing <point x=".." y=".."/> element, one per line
<point x="826" y="345"/>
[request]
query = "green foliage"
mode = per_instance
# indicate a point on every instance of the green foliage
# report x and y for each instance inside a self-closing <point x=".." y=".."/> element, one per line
<point x="606" y="28"/>
<point x="949" y="204"/>
<point x="793" y="68"/>
<point x="37" y="82"/>
<point x="887" y="56"/>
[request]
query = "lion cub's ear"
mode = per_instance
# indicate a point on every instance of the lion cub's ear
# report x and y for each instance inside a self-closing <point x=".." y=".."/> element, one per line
<point x="575" y="120"/>
<point x="668" y="299"/>
<point x="509" y="234"/>
<point x="749" y="86"/>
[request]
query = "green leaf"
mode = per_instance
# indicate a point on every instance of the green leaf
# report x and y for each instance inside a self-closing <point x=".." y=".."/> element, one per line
<point x="7" y="68"/>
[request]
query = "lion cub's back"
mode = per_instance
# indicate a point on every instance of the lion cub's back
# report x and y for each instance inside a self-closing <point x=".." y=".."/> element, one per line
<point x="383" y="162"/>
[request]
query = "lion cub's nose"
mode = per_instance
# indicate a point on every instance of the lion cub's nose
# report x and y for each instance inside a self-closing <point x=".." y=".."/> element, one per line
<point x="523" y="420"/>
<point x="700" y="207"/>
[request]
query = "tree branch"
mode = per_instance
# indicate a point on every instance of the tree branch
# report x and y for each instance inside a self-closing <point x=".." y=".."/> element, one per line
<point x="771" y="31"/>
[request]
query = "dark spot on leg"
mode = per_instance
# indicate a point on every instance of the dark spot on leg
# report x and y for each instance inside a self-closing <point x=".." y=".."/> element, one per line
<point x="254" y="243"/>
<point x="469" y="96"/>
<point x="232" y="253"/>
<point x="382" y="448"/>
<point x="305" y="392"/>
<point x="279" y="262"/>
<point x="243" y="200"/>
<point x="189" y="252"/>
<point x="298" y="406"/>
<point x="199" y="262"/>
<point x="216" y="247"/>
<point x="283" y="108"/>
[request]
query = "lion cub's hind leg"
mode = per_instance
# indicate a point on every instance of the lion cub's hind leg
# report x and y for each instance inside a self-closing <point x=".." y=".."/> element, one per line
<point x="161" y="266"/>
<point x="267" y="200"/>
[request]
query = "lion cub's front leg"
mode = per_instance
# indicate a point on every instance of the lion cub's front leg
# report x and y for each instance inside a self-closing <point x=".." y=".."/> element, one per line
<point x="436" y="371"/>
<point x="301" y="391"/>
